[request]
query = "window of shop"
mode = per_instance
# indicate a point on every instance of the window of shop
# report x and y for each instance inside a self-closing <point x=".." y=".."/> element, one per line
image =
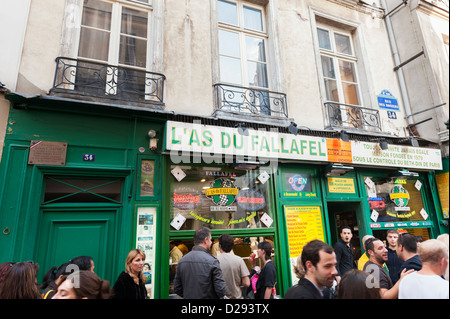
<point x="395" y="200"/>
<point x="219" y="198"/>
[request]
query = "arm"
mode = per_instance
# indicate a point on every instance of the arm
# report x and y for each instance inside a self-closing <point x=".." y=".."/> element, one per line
<point x="219" y="283"/>
<point x="245" y="281"/>
<point x="393" y="292"/>
<point x="268" y="292"/>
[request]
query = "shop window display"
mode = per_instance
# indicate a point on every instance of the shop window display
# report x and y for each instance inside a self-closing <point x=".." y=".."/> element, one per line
<point x="219" y="198"/>
<point x="395" y="200"/>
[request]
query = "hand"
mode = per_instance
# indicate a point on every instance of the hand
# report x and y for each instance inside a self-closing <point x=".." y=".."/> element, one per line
<point x="405" y="272"/>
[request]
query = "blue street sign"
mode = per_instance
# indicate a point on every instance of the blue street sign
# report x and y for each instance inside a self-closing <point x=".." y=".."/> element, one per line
<point x="387" y="101"/>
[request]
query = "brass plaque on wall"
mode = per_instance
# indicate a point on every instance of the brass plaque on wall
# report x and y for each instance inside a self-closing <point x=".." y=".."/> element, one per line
<point x="47" y="153"/>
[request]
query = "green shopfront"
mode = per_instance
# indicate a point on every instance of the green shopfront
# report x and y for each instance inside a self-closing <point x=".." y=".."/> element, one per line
<point x="85" y="183"/>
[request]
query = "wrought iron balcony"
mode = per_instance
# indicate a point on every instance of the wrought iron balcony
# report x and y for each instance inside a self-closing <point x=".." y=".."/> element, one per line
<point x="345" y="115"/>
<point x="237" y="99"/>
<point x="107" y="81"/>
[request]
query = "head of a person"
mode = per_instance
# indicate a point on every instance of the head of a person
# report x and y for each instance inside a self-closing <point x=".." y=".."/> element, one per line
<point x="202" y="237"/>
<point x="377" y="250"/>
<point x="299" y="270"/>
<point x="135" y="263"/>
<point x="83" y="284"/>
<point x="364" y="239"/>
<point x="434" y="253"/>
<point x="406" y="245"/>
<point x="392" y="237"/>
<point x="265" y="250"/>
<point x="353" y="285"/>
<point x="319" y="261"/>
<point x="226" y="242"/>
<point x="84" y="263"/>
<point x="346" y="234"/>
<point x="19" y="281"/>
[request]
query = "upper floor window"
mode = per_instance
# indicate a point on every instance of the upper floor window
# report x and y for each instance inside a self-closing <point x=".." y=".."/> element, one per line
<point x="338" y="66"/>
<point x="242" y="44"/>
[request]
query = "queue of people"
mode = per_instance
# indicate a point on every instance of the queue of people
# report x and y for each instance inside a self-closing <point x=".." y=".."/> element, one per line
<point x="404" y="270"/>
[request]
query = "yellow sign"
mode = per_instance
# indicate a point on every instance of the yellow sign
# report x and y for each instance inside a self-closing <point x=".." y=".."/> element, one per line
<point x="442" y="184"/>
<point x="303" y="223"/>
<point x="341" y="185"/>
<point x="222" y="191"/>
<point x="399" y="195"/>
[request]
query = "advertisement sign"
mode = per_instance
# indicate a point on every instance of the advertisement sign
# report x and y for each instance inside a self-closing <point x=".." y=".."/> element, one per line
<point x="341" y="185"/>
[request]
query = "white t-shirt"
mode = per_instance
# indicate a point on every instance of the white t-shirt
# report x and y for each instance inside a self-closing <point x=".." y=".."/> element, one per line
<point x="418" y="286"/>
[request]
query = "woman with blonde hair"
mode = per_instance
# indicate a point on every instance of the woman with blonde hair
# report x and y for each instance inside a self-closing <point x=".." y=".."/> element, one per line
<point x="131" y="282"/>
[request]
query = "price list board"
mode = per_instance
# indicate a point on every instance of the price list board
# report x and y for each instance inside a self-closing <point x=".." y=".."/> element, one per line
<point x="303" y="224"/>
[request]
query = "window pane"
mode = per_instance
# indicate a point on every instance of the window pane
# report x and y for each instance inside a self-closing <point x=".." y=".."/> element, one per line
<point x="255" y="49"/>
<point x="147" y="187"/>
<point x="134" y="22"/>
<point x="219" y="198"/>
<point x="253" y="18"/>
<point x="328" y="67"/>
<point x="257" y="74"/>
<point x="350" y="93"/>
<point x="343" y="44"/>
<point x="88" y="37"/>
<point x="97" y="14"/>
<point x="132" y="51"/>
<point x="230" y="70"/>
<point x="331" y="90"/>
<point x="229" y="43"/>
<point x="227" y="12"/>
<point x="324" y="39"/>
<point x="347" y="70"/>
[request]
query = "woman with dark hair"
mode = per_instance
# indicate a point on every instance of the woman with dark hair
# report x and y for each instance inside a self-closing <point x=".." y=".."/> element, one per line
<point x="20" y="282"/>
<point x="83" y="284"/>
<point x="52" y="280"/>
<point x="268" y="275"/>
<point x="353" y="285"/>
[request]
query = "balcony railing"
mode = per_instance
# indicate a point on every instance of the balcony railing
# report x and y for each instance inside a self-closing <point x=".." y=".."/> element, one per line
<point x="236" y="99"/>
<point x="107" y="81"/>
<point x="345" y="115"/>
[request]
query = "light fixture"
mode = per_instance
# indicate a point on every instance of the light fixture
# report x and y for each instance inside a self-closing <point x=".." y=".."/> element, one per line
<point x="153" y="144"/>
<point x="337" y="170"/>
<point x="404" y="173"/>
<point x="242" y="129"/>
<point x="293" y="128"/>
<point x="383" y="144"/>
<point x="246" y="164"/>
<point x="344" y="136"/>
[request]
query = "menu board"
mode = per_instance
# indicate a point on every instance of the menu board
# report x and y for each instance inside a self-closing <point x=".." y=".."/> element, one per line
<point x="145" y="240"/>
<point x="442" y="184"/>
<point x="303" y="223"/>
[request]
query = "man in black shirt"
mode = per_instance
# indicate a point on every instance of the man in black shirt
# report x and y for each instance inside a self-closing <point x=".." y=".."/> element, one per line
<point x="344" y="252"/>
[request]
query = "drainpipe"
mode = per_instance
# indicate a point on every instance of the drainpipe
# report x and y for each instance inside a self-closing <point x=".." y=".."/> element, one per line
<point x="401" y="77"/>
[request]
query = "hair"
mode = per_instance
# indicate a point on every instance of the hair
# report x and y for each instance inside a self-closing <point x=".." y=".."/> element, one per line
<point x="390" y="231"/>
<point x="90" y="285"/>
<point x="432" y="251"/>
<point x="54" y="274"/>
<point x="365" y="239"/>
<point x="130" y="257"/>
<point x="267" y="247"/>
<point x="201" y="234"/>
<point x="408" y="242"/>
<point x="311" y="251"/>
<point x="345" y="227"/>
<point x="4" y="268"/>
<point x="20" y="282"/>
<point x="443" y="238"/>
<point x="83" y="262"/>
<point x="299" y="270"/>
<point x="353" y="285"/>
<point x="226" y="242"/>
<point x="370" y="243"/>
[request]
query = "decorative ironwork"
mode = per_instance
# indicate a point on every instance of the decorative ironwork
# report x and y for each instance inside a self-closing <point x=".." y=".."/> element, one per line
<point x="237" y="99"/>
<point x="345" y="115"/>
<point x="103" y="80"/>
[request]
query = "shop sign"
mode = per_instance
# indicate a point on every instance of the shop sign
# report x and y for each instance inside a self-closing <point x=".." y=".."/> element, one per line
<point x="222" y="192"/>
<point x="250" y="200"/>
<point x="417" y="224"/>
<point x="217" y="140"/>
<point x="341" y="185"/>
<point x="399" y="195"/>
<point x="186" y="198"/>
<point x="366" y="153"/>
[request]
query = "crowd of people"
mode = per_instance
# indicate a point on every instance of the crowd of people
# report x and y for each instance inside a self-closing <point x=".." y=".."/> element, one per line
<point x="404" y="269"/>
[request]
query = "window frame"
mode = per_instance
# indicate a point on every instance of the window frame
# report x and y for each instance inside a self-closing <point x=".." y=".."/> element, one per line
<point x="242" y="32"/>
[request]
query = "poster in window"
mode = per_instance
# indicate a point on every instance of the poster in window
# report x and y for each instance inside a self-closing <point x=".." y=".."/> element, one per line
<point x="147" y="183"/>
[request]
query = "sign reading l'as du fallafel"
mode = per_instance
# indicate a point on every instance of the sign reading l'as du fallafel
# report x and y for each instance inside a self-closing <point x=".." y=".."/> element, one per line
<point x="208" y="139"/>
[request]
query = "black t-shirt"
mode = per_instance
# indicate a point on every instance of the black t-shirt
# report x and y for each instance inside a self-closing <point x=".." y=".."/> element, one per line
<point x="380" y="276"/>
<point x="267" y="278"/>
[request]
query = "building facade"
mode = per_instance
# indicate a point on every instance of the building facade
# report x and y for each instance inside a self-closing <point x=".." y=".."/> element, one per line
<point x="134" y="123"/>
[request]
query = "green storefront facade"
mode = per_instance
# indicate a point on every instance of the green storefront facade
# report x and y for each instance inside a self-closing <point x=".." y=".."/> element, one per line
<point x="119" y="177"/>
